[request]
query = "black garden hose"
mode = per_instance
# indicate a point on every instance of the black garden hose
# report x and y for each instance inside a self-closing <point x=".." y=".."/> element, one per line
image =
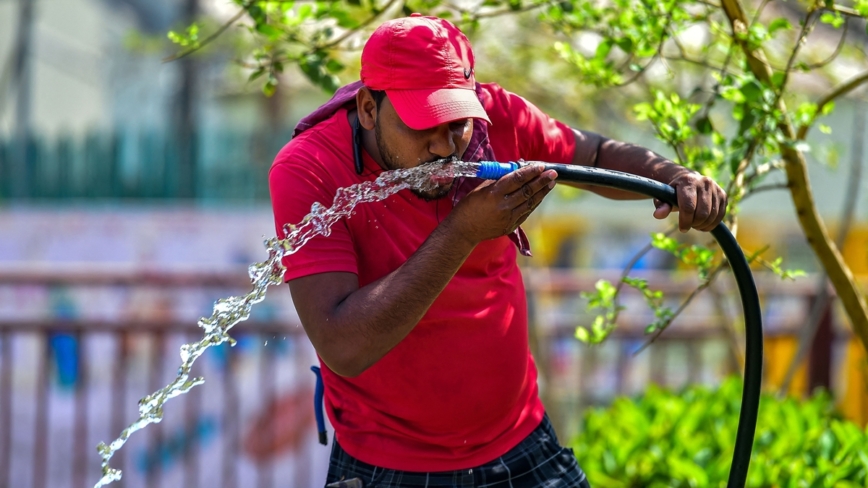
<point x="753" y="358"/>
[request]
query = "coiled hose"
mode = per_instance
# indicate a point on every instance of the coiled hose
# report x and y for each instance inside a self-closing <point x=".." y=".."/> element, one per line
<point x="753" y="357"/>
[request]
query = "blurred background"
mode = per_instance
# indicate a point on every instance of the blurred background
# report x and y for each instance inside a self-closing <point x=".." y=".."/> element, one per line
<point x="133" y="194"/>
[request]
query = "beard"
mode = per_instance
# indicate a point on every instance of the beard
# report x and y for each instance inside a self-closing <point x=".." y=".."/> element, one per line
<point x="391" y="162"/>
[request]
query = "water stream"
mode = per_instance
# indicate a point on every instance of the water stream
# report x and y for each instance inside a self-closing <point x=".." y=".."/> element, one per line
<point x="230" y="311"/>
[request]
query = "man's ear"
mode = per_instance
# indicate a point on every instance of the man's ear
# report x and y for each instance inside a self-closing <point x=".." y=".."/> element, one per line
<point x="366" y="108"/>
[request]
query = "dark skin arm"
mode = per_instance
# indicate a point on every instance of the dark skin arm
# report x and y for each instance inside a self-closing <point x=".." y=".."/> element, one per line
<point x="701" y="202"/>
<point x="351" y="328"/>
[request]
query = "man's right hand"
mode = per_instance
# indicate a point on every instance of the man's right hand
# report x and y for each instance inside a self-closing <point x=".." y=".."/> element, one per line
<point x="498" y="208"/>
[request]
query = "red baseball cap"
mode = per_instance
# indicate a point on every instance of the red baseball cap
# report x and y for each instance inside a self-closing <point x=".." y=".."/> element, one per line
<point x="425" y="65"/>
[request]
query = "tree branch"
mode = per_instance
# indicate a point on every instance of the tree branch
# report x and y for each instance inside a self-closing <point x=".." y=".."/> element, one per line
<point x="346" y="35"/>
<point x="800" y="188"/>
<point x="845" y="11"/>
<point x="837" y="50"/>
<point x="807" y="27"/>
<point x="705" y="284"/>
<point x="207" y="40"/>
<point x="831" y="96"/>
<point x="760" y="189"/>
<point x="498" y="13"/>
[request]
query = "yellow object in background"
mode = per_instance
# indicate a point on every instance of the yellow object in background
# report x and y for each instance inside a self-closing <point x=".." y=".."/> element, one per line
<point x="548" y="235"/>
<point x="855" y="251"/>
<point x="855" y="402"/>
<point x="779" y="352"/>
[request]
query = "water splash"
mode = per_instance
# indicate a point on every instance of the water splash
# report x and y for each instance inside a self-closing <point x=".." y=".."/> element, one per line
<point x="230" y="311"/>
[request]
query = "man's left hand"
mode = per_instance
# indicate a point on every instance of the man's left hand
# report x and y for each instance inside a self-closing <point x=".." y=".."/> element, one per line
<point x="701" y="203"/>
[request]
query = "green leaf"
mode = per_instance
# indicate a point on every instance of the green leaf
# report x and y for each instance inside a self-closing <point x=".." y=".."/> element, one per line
<point x="256" y="74"/>
<point x="835" y="19"/>
<point x="625" y="43"/>
<point x="781" y="23"/>
<point x="663" y="242"/>
<point x="703" y="126"/>
<point x="305" y="11"/>
<point x="271" y="32"/>
<point x="269" y="87"/>
<point x="256" y="13"/>
<point x="828" y="108"/>
<point x="752" y="91"/>
<point x="334" y="66"/>
<point x="825" y="129"/>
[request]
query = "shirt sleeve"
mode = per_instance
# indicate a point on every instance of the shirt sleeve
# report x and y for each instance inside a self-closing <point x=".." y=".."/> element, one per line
<point x="538" y="137"/>
<point x="295" y="185"/>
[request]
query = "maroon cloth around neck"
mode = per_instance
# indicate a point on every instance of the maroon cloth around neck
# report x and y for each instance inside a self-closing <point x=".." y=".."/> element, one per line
<point x="479" y="148"/>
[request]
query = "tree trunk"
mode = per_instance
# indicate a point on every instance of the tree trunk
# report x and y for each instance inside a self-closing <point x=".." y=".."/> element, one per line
<point x="800" y="190"/>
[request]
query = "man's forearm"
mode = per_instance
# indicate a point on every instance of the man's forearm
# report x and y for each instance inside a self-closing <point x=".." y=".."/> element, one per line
<point x="596" y="150"/>
<point x="372" y="320"/>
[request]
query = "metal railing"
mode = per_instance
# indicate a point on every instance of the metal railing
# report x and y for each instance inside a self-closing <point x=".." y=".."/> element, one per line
<point x="127" y="164"/>
<point x="67" y="383"/>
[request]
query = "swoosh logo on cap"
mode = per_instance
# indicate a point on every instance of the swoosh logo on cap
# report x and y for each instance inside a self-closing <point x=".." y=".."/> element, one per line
<point x="468" y="73"/>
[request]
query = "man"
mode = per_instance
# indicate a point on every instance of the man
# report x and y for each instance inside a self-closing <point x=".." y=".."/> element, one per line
<point x="415" y="304"/>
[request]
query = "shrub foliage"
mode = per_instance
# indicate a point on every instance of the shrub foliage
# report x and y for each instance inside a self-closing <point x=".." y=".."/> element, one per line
<point x="686" y="439"/>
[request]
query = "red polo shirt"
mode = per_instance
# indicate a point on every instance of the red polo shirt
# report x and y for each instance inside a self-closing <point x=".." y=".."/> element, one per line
<point x="460" y="390"/>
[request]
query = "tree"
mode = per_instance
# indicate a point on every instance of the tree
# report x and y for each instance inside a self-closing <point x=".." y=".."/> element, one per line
<point x="717" y="80"/>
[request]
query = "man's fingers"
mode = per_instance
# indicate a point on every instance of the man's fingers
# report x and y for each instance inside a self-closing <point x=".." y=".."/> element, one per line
<point x="701" y="203"/>
<point x="515" y="180"/>
<point x="523" y="208"/>
<point x="662" y="209"/>
<point x="718" y="209"/>
<point x="686" y="206"/>
<point x="705" y="211"/>
<point x="528" y="190"/>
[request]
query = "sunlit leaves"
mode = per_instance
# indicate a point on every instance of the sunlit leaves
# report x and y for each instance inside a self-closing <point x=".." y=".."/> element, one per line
<point x="835" y="19"/>
<point x="631" y="34"/>
<point x="701" y="257"/>
<point x="654" y="298"/>
<point x="306" y="34"/>
<point x="686" y="439"/>
<point x="785" y="274"/>
<point x="594" y="70"/>
<point x="602" y="300"/>
<point x="779" y="24"/>
<point x="189" y="38"/>
<point x="670" y="116"/>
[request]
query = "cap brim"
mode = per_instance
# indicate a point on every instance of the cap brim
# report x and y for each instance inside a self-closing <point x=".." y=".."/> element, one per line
<point x="423" y="109"/>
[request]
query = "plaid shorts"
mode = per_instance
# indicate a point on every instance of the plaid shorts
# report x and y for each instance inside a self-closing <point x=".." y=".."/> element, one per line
<point x="538" y="461"/>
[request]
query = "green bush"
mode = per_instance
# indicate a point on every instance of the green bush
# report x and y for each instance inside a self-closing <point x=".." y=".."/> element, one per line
<point x="665" y="439"/>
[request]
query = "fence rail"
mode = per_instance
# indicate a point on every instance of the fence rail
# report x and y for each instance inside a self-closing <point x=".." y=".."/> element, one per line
<point x="67" y="383"/>
<point x="228" y="165"/>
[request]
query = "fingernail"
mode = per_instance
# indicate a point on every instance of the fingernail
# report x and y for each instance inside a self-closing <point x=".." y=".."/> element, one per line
<point x="552" y="184"/>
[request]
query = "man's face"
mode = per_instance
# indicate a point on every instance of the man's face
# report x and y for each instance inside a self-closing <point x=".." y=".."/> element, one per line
<point x="401" y="147"/>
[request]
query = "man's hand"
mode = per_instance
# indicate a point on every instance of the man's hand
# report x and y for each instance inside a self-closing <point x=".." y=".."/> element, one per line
<point x="701" y="202"/>
<point x="498" y="208"/>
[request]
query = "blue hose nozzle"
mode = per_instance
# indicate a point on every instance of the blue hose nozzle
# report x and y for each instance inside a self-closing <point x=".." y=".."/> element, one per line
<point x="493" y="170"/>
